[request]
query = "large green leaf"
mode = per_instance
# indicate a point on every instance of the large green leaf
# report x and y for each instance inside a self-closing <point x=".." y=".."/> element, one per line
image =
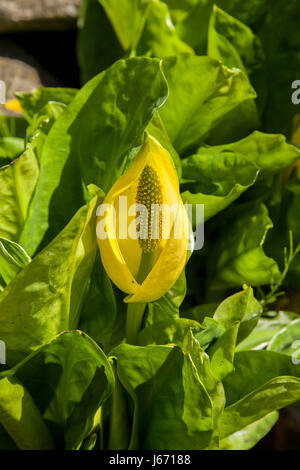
<point x="233" y="320"/>
<point x="177" y="400"/>
<point x="278" y="33"/>
<point x="19" y="179"/>
<point x="216" y="179"/>
<point x="128" y="18"/>
<point x="267" y="328"/>
<point x="246" y="437"/>
<point x="99" y="308"/>
<point x="240" y="257"/>
<point x="159" y="37"/>
<point x="68" y="379"/>
<point x="202" y="93"/>
<point x="232" y="42"/>
<point x="269" y="152"/>
<point x="20" y="416"/>
<point x="193" y="27"/>
<point x="45" y="298"/>
<point x="95" y="37"/>
<point x="253" y="369"/>
<point x="273" y="395"/>
<point x="17" y="185"/>
<point x="262" y="382"/>
<point x="90" y="140"/>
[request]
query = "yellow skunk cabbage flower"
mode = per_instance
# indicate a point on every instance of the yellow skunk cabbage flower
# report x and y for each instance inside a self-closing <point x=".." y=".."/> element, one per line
<point x="14" y="105"/>
<point x="142" y="226"/>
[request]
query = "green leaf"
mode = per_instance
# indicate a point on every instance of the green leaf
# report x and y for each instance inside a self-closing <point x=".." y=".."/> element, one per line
<point x="162" y="322"/>
<point x="240" y="255"/>
<point x="286" y="340"/>
<point x="112" y="108"/>
<point x="159" y="37"/>
<point x="254" y="369"/>
<point x="221" y="353"/>
<point x="210" y="331"/>
<point x="262" y="382"/>
<point x="167" y="307"/>
<point x="241" y="10"/>
<point x="269" y="152"/>
<point x="13" y="258"/>
<point x="172" y="396"/>
<point x="202" y="93"/>
<point x="293" y="209"/>
<point x="40" y="126"/>
<point x="10" y="148"/>
<point x="216" y="179"/>
<point x="241" y="307"/>
<point x="193" y="27"/>
<point x="99" y="309"/>
<point x="166" y="331"/>
<point x="11" y="126"/>
<point x="17" y="184"/>
<point x="95" y="37"/>
<point x="179" y="8"/>
<point x="46" y="296"/>
<point x="246" y="437"/>
<point x="128" y="18"/>
<point x="68" y="379"/>
<point x="273" y="395"/>
<point x="32" y="102"/>
<point x="278" y="31"/>
<point x="200" y="312"/>
<point x="21" y="418"/>
<point x="233" y="43"/>
<point x="6" y="442"/>
<point x="118" y="414"/>
<point x="233" y="320"/>
<point x="266" y="328"/>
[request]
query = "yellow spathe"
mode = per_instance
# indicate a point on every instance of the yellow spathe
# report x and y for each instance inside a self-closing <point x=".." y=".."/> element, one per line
<point x="121" y="253"/>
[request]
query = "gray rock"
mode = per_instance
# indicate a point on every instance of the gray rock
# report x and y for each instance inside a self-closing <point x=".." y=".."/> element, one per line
<point x="20" y="72"/>
<point x="30" y="15"/>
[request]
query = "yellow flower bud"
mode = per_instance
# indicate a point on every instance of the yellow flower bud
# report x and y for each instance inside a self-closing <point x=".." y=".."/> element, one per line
<point x="14" y="105"/>
<point x="146" y="228"/>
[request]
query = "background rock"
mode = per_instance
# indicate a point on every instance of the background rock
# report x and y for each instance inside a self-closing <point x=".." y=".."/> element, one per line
<point x="29" y="15"/>
<point x="20" y="72"/>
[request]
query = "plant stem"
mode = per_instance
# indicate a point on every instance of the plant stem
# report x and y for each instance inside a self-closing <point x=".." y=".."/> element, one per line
<point x="135" y="314"/>
<point x="135" y="311"/>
